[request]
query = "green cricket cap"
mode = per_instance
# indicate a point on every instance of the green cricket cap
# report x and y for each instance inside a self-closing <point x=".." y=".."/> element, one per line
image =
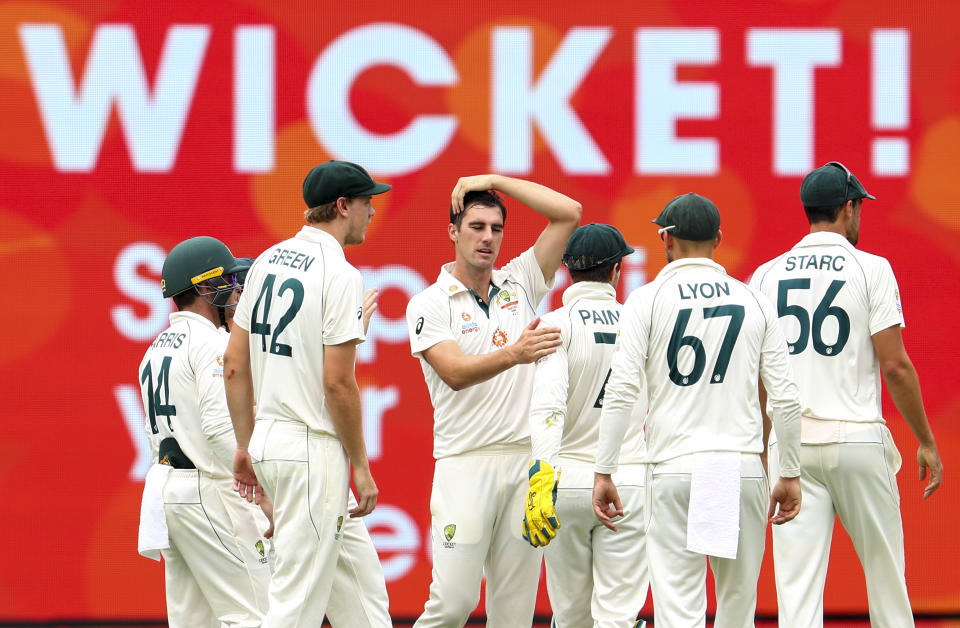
<point x="594" y="245"/>
<point x="329" y="181"/>
<point x="243" y="265"/>
<point x="830" y="185"/>
<point x="690" y="217"/>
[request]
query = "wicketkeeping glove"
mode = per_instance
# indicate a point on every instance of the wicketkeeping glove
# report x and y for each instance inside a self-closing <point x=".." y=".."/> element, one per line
<point x="540" y="521"/>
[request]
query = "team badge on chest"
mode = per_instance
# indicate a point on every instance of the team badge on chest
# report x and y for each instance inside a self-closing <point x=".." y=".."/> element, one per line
<point x="499" y="338"/>
<point x="508" y="301"/>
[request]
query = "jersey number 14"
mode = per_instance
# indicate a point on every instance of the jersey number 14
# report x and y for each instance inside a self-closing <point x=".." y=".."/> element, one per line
<point x="155" y="405"/>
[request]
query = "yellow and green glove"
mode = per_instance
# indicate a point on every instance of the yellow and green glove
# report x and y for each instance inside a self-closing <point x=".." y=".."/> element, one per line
<point x="540" y="521"/>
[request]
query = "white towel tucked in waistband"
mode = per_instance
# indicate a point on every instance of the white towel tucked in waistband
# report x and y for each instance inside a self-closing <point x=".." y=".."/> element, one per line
<point x="153" y="535"/>
<point x="713" y="516"/>
<point x="259" y="438"/>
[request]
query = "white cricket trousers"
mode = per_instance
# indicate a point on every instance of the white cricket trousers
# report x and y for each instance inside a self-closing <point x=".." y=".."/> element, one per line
<point x="595" y="576"/>
<point x="358" y="598"/>
<point x="306" y="475"/>
<point x="476" y="508"/>
<point x="856" y="481"/>
<point x="678" y="576"/>
<point x="216" y="567"/>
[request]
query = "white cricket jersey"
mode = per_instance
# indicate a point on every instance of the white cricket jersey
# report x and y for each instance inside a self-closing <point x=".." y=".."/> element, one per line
<point x="698" y="339"/>
<point x="300" y="295"/>
<point x="493" y="411"/>
<point x="569" y="385"/>
<point x="831" y="298"/>
<point x="181" y="385"/>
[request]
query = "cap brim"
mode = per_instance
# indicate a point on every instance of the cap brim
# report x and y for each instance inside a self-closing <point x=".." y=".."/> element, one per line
<point x="378" y="188"/>
<point x="868" y="195"/>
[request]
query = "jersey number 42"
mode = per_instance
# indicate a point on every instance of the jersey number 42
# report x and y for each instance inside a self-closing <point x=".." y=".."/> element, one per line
<point x="260" y="324"/>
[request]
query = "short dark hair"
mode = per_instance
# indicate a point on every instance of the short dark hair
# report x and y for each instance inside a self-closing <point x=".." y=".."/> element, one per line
<point x="185" y="299"/>
<point x="828" y="213"/>
<point x="322" y="213"/>
<point x="487" y="198"/>
<point x="600" y="273"/>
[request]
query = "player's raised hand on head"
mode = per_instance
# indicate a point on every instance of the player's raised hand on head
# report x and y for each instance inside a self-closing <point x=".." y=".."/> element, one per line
<point x="369" y="306"/>
<point x="469" y="184"/>
<point x="606" y="500"/>
<point x="244" y="479"/>
<point x="784" y="500"/>
<point x="928" y="459"/>
<point x="535" y="343"/>
<point x="366" y="492"/>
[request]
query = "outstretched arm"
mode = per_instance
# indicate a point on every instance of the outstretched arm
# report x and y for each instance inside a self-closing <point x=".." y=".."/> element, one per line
<point x="459" y="371"/>
<point x="562" y="211"/>
<point x="904" y="386"/>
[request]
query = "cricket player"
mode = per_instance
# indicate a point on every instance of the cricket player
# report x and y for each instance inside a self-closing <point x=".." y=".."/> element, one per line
<point x="594" y="576"/>
<point x="216" y="567"/>
<point x="697" y="341"/>
<point x="358" y="597"/>
<point x="292" y="353"/>
<point x="475" y="333"/>
<point x="840" y="312"/>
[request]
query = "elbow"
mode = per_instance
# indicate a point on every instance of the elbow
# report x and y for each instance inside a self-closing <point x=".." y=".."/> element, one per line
<point x="895" y="371"/>
<point x="339" y="388"/>
<point x="454" y="383"/>
<point x="576" y="212"/>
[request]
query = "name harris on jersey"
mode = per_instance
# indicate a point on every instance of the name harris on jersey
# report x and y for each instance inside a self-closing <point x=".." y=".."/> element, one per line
<point x="169" y="340"/>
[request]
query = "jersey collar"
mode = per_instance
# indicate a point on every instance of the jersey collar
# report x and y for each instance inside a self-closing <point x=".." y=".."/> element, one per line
<point x="600" y="291"/>
<point x="691" y="263"/>
<point x="319" y="236"/>
<point x="821" y="238"/>
<point x="193" y="316"/>
<point x="450" y="285"/>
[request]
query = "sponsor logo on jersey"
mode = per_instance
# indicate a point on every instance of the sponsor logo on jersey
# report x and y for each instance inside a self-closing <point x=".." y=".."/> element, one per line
<point x="553" y="419"/>
<point x="218" y="371"/>
<point x="508" y="301"/>
<point x="499" y="338"/>
<point x="339" y="527"/>
<point x="419" y="325"/>
<point x="896" y="294"/>
<point x="469" y="325"/>
<point x="448" y="531"/>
